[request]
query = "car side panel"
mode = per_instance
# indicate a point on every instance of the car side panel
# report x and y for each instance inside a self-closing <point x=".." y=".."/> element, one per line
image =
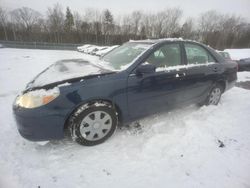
<point x="111" y="88"/>
<point x="199" y="80"/>
<point x="151" y="93"/>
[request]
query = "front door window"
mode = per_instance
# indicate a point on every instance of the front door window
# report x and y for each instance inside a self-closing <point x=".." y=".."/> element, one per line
<point x="168" y="55"/>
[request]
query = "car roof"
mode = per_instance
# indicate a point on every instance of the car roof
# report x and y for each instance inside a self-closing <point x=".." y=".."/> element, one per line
<point x="155" y="41"/>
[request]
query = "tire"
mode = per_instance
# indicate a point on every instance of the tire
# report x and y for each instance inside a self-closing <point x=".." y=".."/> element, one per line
<point x="93" y="124"/>
<point x="214" y="95"/>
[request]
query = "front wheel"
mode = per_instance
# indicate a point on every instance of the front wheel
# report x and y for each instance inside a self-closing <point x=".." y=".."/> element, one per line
<point x="93" y="124"/>
<point x="214" y="95"/>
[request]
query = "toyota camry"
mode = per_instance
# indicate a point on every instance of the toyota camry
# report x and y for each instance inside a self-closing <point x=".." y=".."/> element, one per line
<point x="90" y="98"/>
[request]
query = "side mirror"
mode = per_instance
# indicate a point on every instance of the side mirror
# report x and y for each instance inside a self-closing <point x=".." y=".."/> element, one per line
<point x="145" y="69"/>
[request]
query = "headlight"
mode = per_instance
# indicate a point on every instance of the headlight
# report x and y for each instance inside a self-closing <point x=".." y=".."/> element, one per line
<point x="37" y="98"/>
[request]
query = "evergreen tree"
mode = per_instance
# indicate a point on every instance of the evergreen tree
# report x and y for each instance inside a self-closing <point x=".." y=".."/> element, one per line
<point x="108" y="17"/>
<point x="108" y="24"/>
<point x="69" y="21"/>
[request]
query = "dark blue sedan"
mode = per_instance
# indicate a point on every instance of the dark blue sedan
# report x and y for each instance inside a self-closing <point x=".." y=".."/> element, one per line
<point x="90" y="98"/>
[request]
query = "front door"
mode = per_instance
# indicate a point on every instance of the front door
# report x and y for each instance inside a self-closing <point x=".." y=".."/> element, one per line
<point x="161" y="90"/>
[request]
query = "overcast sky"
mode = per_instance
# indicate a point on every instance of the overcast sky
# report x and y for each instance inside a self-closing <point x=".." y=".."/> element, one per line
<point x="191" y="8"/>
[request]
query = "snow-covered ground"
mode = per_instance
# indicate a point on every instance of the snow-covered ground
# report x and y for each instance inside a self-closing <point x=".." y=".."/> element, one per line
<point x="237" y="54"/>
<point x="175" y="149"/>
<point x="243" y="76"/>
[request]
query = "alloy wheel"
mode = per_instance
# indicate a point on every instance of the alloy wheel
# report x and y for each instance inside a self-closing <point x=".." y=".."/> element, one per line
<point x="215" y="95"/>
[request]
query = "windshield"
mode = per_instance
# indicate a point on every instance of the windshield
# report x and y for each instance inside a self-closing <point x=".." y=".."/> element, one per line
<point x="123" y="56"/>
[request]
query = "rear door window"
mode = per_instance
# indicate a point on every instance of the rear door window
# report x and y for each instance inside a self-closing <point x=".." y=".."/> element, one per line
<point x="197" y="54"/>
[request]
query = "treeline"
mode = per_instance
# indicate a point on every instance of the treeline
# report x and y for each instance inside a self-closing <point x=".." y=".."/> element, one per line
<point x="100" y="27"/>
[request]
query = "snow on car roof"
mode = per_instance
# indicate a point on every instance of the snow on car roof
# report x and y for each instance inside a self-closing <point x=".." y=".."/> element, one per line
<point x="154" y="41"/>
<point x="157" y="40"/>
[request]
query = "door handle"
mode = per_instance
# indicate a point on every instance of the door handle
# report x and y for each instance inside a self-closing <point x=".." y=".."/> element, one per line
<point x="215" y="69"/>
<point x="179" y="75"/>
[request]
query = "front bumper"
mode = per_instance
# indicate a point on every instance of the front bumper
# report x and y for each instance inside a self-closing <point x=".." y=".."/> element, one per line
<point x="39" y="125"/>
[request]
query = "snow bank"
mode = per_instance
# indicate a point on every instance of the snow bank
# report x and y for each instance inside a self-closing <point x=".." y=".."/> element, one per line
<point x="82" y="48"/>
<point x="243" y="76"/>
<point x="237" y="54"/>
<point x="95" y="50"/>
<point x="176" y="149"/>
<point x="105" y="50"/>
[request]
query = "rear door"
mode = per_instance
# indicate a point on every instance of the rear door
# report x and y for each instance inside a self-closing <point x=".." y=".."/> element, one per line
<point x="202" y="70"/>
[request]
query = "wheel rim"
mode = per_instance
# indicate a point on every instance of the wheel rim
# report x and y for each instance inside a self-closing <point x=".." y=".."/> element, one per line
<point x="215" y="96"/>
<point x="95" y="125"/>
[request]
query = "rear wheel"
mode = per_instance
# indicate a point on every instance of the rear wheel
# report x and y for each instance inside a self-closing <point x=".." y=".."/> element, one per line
<point x="93" y="124"/>
<point x="214" y="95"/>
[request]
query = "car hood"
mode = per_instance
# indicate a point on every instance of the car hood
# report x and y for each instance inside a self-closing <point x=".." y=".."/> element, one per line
<point x="67" y="71"/>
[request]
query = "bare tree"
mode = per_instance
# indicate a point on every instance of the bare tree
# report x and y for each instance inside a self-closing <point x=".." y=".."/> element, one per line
<point x="158" y="24"/>
<point x="213" y="28"/>
<point x="26" y="17"/>
<point x="136" y="18"/>
<point x="92" y="24"/>
<point x="55" y="22"/>
<point x="126" y="25"/>
<point x="187" y="29"/>
<point x="78" y="21"/>
<point x="171" y="24"/>
<point x="230" y="26"/>
<point x="91" y="15"/>
<point x="148" y="22"/>
<point x="3" y="21"/>
<point x="219" y="30"/>
<point x="209" y="24"/>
